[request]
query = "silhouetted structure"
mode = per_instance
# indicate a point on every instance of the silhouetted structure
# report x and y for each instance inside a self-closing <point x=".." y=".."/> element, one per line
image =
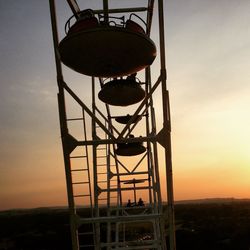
<point x="116" y="47"/>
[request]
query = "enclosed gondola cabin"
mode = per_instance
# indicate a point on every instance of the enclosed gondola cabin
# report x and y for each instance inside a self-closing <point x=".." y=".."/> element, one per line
<point x="97" y="49"/>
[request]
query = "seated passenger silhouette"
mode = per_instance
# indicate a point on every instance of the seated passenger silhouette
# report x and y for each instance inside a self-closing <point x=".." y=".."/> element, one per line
<point x="131" y="77"/>
<point x="140" y="202"/>
<point x="129" y="204"/>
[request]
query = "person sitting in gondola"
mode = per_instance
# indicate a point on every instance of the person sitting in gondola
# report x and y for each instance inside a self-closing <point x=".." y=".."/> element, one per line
<point x="129" y="204"/>
<point x="124" y="144"/>
<point x="140" y="203"/>
<point x="86" y="14"/>
<point x="132" y="77"/>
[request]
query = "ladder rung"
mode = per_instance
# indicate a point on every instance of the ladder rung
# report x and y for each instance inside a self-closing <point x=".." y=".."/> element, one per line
<point x="102" y="156"/>
<point x="74" y="119"/>
<point x="102" y="173"/>
<point x="85" y="233"/>
<point x="80" y="182"/>
<point x="100" y="148"/>
<point x="79" y="169"/>
<point x="81" y="195"/>
<point x="102" y="181"/>
<point x="111" y="197"/>
<point x="85" y="246"/>
<point x="78" y="156"/>
<point x="101" y="165"/>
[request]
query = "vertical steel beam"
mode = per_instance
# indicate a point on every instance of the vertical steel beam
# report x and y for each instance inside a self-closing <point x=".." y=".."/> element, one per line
<point x="64" y="130"/>
<point x="95" y="174"/>
<point x="106" y="11"/>
<point x="108" y="147"/>
<point x="74" y="7"/>
<point x="149" y="150"/>
<point x="149" y="16"/>
<point x="167" y="126"/>
<point x="159" y="225"/>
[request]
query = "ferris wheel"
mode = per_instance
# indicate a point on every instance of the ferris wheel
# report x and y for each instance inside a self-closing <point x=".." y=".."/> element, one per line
<point x="110" y="140"/>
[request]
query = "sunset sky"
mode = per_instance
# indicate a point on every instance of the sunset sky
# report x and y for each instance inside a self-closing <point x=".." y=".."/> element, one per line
<point x="208" y="63"/>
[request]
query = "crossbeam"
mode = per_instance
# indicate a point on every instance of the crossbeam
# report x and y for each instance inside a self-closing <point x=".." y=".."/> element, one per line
<point x="74" y="7"/>
<point x="133" y="218"/>
<point x="114" y="141"/>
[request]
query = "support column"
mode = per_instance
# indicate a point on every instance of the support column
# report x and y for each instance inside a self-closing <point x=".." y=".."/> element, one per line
<point x="167" y="129"/>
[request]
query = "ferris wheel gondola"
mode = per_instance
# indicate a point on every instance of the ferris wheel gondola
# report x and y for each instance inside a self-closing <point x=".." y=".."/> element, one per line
<point x="130" y="148"/>
<point x="99" y="49"/>
<point x="125" y="119"/>
<point x="122" y="92"/>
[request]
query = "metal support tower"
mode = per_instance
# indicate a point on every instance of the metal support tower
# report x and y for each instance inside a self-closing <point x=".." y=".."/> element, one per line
<point x="99" y="181"/>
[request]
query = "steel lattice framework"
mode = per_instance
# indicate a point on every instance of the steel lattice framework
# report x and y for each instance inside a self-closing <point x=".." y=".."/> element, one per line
<point x="99" y="181"/>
